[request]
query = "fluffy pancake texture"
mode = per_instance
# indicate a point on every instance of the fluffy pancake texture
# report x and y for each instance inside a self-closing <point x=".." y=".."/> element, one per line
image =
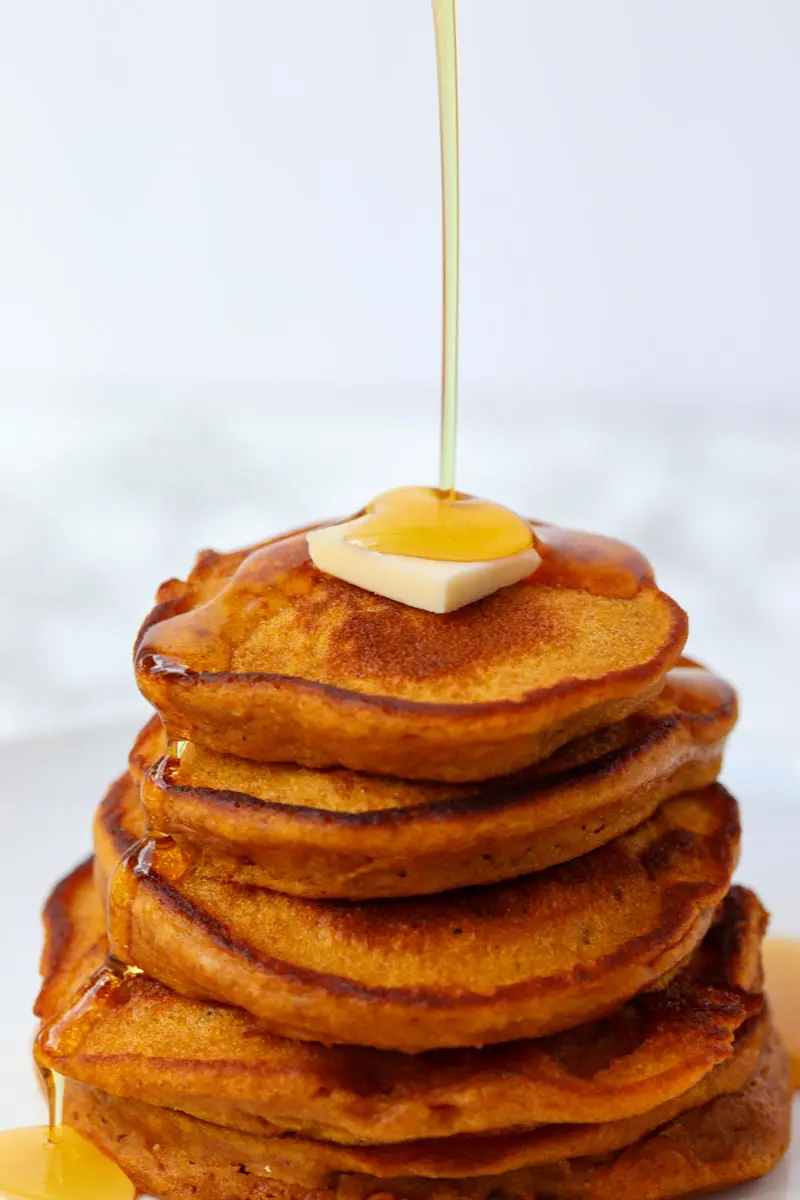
<point x="679" y="1046"/>
<point x="260" y="655"/>
<point x="340" y="834"/>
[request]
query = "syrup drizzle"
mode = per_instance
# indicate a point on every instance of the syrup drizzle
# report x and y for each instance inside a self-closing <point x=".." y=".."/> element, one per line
<point x="444" y="526"/>
<point x="137" y="864"/>
<point x="56" y="1162"/>
<point x="431" y="523"/>
<point x="446" y="28"/>
<point x="109" y="987"/>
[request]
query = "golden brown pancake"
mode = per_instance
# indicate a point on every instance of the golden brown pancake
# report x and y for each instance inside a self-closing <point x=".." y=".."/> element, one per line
<point x="733" y="1138"/>
<point x="140" y="1041"/>
<point x="482" y="965"/>
<point x="258" y="654"/>
<point x="339" y="834"/>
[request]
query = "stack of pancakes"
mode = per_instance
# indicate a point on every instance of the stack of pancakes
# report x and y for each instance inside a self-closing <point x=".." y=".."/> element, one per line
<point x="416" y="907"/>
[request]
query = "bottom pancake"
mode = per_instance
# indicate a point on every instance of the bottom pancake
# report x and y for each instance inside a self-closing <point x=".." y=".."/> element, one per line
<point x="732" y="1139"/>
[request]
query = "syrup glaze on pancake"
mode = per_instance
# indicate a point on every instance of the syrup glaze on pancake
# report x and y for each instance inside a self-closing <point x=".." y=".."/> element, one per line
<point x="140" y="1041"/>
<point x="261" y="655"/>
<point x="520" y="959"/>
<point x="730" y="1139"/>
<point x="338" y="834"/>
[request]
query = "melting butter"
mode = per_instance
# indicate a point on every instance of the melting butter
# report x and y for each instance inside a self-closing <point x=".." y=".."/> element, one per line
<point x="420" y="582"/>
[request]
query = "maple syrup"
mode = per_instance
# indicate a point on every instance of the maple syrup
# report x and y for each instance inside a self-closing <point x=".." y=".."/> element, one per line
<point x="439" y="523"/>
<point x="135" y="866"/>
<point x="782" y="971"/>
<point x="109" y="987"/>
<point x="446" y="27"/>
<point x="55" y="1162"/>
<point x="429" y="523"/>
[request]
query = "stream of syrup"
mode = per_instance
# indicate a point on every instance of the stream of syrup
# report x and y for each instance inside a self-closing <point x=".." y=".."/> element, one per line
<point x="446" y="26"/>
<point x="438" y="523"/>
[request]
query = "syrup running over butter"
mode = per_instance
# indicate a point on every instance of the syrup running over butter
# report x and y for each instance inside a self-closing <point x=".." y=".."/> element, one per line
<point x="446" y="526"/>
<point x="782" y="971"/>
<point x="55" y="1162"/>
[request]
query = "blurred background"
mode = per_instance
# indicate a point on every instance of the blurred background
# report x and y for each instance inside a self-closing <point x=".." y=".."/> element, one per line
<point x="220" y="291"/>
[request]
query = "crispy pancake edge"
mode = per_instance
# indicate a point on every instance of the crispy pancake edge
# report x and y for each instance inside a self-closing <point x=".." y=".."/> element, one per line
<point x="731" y="1139"/>
<point x="348" y="1094"/>
<point x="503" y="830"/>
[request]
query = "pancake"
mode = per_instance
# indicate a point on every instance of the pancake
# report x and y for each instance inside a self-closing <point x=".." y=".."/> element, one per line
<point x="697" y="1038"/>
<point x="338" y="834"/>
<point x="258" y="654"/>
<point x="732" y="1138"/>
<point x="520" y="959"/>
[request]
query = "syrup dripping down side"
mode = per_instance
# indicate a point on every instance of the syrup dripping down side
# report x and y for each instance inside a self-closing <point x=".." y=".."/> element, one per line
<point x="55" y="1162"/>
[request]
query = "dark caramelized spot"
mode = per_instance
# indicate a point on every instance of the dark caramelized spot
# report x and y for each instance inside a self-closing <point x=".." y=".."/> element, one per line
<point x="388" y="639"/>
<point x="668" y="850"/>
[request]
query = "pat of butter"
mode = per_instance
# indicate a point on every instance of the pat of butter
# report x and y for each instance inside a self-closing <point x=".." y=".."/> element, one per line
<point x="438" y="587"/>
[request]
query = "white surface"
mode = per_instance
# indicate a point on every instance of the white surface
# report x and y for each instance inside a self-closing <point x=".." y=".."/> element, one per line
<point x="202" y="189"/>
<point x="51" y="786"/>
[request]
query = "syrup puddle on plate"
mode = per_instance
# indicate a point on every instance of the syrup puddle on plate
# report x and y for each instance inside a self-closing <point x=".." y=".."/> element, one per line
<point x="54" y="1162"/>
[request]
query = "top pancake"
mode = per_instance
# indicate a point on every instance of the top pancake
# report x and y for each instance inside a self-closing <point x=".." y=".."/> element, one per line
<point x="261" y="655"/>
<point x="339" y="833"/>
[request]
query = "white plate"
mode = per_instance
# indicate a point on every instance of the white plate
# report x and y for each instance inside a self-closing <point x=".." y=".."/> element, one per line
<point x="51" y="785"/>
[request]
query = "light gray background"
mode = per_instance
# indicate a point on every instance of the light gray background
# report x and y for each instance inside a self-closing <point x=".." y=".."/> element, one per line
<point x="219" y="301"/>
<point x="248" y="189"/>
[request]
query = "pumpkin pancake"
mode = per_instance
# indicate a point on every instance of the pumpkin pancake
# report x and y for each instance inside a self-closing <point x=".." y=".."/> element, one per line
<point x="482" y="965"/>
<point x="732" y="1138"/>
<point x="338" y="834"/>
<point x="259" y="654"/>
<point x="140" y="1041"/>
